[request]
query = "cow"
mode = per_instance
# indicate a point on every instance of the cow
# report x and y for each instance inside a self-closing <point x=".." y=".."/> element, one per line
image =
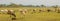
<point x="58" y="11"/>
<point x="11" y="13"/>
<point x="40" y="11"/>
<point x="48" y="10"/>
<point x="33" y="11"/>
<point x="23" y="12"/>
<point x="4" y="11"/>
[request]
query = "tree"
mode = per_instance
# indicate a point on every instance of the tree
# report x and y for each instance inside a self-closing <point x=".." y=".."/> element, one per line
<point x="43" y="6"/>
<point x="37" y="6"/>
<point x="3" y="5"/>
<point x="12" y="5"/>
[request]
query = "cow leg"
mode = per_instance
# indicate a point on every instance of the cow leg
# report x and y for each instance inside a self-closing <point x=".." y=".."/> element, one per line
<point x="14" y="18"/>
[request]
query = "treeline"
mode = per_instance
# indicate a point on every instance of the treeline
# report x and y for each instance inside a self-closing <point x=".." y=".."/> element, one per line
<point x="20" y="5"/>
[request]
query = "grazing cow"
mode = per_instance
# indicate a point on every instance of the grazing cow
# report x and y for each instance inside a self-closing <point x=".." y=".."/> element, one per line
<point x="58" y="11"/>
<point x="11" y="13"/>
<point x="33" y="11"/>
<point x="48" y="10"/>
<point x="23" y="11"/>
<point x="4" y="11"/>
<point x="41" y="10"/>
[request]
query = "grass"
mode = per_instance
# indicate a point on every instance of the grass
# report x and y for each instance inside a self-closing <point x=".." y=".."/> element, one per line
<point x="42" y="16"/>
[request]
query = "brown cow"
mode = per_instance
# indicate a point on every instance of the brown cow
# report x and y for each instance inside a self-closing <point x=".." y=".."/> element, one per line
<point x="33" y="11"/>
<point x="12" y="14"/>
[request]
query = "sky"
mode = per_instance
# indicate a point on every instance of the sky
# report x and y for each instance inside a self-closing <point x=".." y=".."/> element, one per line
<point x="32" y="2"/>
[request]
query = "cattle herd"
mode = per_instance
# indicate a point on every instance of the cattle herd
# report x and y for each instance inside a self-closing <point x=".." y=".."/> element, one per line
<point x="22" y="11"/>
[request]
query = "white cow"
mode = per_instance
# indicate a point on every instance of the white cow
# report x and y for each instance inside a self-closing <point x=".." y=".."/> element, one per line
<point x="12" y="10"/>
<point x="4" y="11"/>
<point x="23" y="11"/>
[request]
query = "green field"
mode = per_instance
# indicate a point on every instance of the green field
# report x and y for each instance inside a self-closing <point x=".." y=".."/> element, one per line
<point x="42" y="16"/>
